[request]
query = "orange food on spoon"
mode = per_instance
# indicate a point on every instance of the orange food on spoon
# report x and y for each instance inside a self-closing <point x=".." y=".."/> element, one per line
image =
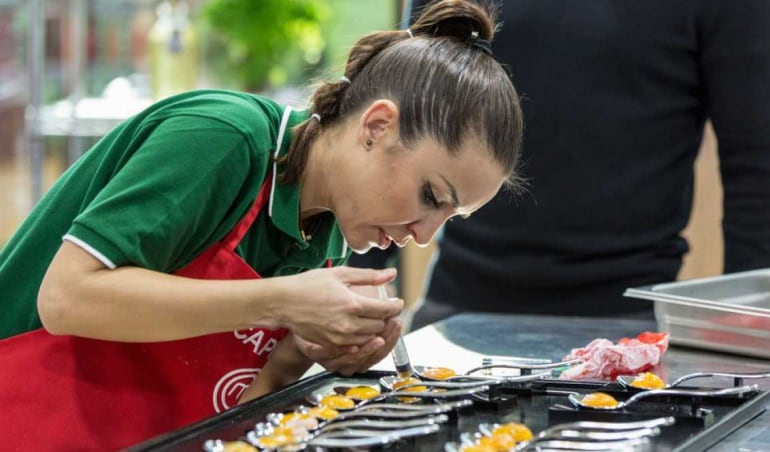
<point x="362" y="392"/>
<point x="281" y="437"/>
<point x="648" y="380"/>
<point x="519" y="432"/>
<point x="238" y="446"/>
<point x="324" y="412"/>
<point x="500" y="442"/>
<point x="337" y="402"/>
<point x="439" y="373"/>
<point x="478" y="448"/>
<point x="293" y="416"/>
<point x="600" y="400"/>
<point x="401" y="382"/>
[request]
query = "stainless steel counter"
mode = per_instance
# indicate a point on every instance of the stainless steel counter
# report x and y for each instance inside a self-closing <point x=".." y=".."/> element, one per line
<point x="462" y="340"/>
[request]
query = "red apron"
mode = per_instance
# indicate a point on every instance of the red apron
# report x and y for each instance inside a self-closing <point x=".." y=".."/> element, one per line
<point x="70" y="393"/>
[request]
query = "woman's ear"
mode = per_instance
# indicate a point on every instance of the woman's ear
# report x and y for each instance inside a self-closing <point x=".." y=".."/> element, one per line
<point x="378" y="120"/>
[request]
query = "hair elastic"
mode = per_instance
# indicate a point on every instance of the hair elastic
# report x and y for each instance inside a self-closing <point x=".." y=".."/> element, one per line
<point x="481" y="44"/>
<point x="316" y="116"/>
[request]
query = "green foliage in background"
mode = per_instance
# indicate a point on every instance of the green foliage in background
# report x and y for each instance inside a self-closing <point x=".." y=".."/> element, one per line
<point x="351" y="19"/>
<point x="263" y="43"/>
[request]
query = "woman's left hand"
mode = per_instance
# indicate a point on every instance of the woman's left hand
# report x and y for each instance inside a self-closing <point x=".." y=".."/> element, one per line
<point x="355" y="359"/>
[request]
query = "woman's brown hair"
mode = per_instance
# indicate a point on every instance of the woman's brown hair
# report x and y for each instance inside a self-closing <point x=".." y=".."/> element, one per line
<point x="441" y="75"/>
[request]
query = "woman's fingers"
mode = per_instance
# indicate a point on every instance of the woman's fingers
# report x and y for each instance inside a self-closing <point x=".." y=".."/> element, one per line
<point x="366" y="358"/>
<point x="357" y="330"/>
<point x="320" y="353"/>
<point x="330" y="310"/>
<point x="371" y="305"/>
<point x="375" y="308"/>
<point x="360" y="360"/>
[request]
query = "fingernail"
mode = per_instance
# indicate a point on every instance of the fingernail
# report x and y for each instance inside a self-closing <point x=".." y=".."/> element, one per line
<point x="389" y="271"/>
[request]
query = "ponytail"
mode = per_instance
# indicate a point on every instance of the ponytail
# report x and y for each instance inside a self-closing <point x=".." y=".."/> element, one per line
<point x="440" y="73"/>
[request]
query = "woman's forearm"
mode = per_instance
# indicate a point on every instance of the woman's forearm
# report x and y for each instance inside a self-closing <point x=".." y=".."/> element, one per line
<point x="81" y="297"/>
<point x="285" y="366"/>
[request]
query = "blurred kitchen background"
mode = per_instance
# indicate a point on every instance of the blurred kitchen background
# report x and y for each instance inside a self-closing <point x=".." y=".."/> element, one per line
<point x="70" y="70"/>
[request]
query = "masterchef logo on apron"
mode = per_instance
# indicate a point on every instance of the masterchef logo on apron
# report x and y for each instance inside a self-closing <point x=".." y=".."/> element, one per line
<point x="229" y="388"/>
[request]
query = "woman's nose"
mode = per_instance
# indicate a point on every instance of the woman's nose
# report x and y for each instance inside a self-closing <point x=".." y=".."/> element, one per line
<point x="422" y="231"/>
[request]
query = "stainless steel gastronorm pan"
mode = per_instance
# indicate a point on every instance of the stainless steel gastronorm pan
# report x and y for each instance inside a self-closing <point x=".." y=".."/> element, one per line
<point x="728" y="313"/>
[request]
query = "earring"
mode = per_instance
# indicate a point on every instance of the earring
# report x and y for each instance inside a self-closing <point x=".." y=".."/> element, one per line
<point x="368" y="143"/>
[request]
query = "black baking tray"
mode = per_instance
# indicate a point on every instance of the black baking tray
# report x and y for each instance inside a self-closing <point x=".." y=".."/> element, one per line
<point x="538" y="404"/>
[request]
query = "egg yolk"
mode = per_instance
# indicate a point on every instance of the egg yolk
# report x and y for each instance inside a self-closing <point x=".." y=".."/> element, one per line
<point x="479" y="448"/>
<point x="324" y="412"/>
<point x="288" y="417"/>
<point x="600" y="400"/>
<point x="519" y="432"/>
<point x="281" y="437"/>
<point x="500" y="442"/>
<point x="648" y="380"/>
<point x="362" y="392"/>
<point x="400" y="383"/>
<point x="439" y="373"/>
<point x="238" y="446"/>
<point x="337" y="402"/>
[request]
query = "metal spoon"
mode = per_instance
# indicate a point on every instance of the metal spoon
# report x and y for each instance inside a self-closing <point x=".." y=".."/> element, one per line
<point x="388" y="382"/>
<point x="626" y="380"/>
<point x="418" y="371"/>
<point x="376" y="438"/>
<point x="384" y="424"/>
<point x="358" y="436"/>
<point x="578" y="399"/>
<point x="348" y="428"/>
<point x="385" y="412"/>
<point x="315" y="399"/>
<point x="625" y="444"/>
<point x="584" y="434"/>
<point x="462" y="381"/>
<point x="527" y="368"/>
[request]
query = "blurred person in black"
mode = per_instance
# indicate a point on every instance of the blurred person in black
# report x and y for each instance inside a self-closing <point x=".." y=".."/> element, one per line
<point x="615" y="98"/>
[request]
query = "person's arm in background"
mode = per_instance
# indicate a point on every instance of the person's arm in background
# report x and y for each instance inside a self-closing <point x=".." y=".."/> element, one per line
<point x="735" y="64"/>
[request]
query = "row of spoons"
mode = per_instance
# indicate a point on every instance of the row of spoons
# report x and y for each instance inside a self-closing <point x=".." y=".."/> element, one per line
<point x="573" y="436"/>
<point x="367" y="415"/>
<point x="652" y="385"/>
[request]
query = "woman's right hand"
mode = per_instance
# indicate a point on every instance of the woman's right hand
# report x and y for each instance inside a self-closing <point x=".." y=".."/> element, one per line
<point x="322" y="307"/>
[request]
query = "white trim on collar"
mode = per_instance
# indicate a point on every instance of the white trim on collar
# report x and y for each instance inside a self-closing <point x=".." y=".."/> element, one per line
<point x="279" y="142"/>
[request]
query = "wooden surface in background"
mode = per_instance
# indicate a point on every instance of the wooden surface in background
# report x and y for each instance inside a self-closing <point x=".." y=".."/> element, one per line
<point x="704" y="232"/>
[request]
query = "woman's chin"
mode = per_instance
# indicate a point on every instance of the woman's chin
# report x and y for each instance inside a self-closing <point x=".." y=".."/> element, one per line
<point x="361" y="248"/>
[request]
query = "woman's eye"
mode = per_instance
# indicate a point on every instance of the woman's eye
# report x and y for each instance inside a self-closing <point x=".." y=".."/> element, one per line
<point x="429" y="198"/>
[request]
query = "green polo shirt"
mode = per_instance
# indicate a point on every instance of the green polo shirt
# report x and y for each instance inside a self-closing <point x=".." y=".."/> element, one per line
<point x="160" y="189"/>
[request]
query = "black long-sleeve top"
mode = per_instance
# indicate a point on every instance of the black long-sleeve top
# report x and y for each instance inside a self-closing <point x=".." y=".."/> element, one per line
<point x="615" y="97"/>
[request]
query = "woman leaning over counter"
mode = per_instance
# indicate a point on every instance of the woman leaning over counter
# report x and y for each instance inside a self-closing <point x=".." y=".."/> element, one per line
<point x="197" y="236"/>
